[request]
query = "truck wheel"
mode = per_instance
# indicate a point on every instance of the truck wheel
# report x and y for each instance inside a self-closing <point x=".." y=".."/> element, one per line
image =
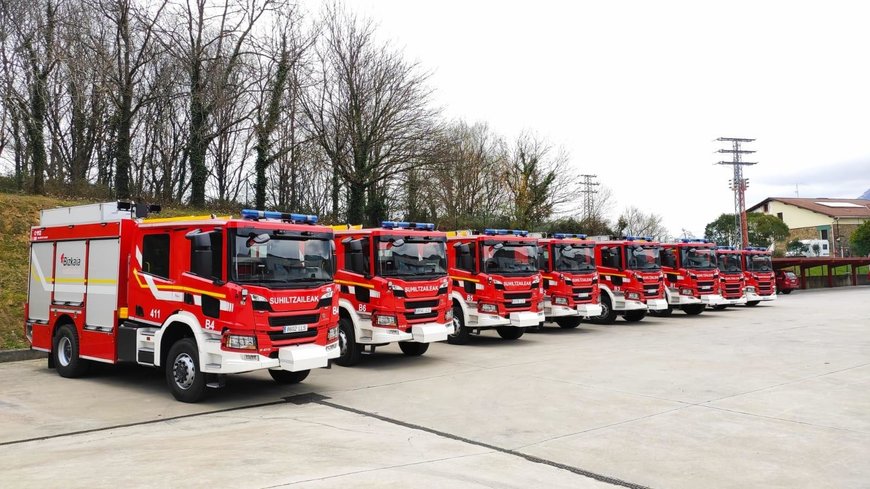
<point x="634" y="316"/>
<point x="569" y="322"/>
<point x="460" y="334"/>
<point x="693" y="309"/>
<point x="608" y="316"/>
<point x="510" y="332"/>
<point x="752" y="303"/>
<point x="719" y="307"/>
<point x="413" y="349"/>
<point x="66" y="353"/>
<point x="351" y="351"/>
<point x="786" y="291"/>
<point x="287" y="377"/>
<point x="186" y="381"/>
<point x="662" y="313"/>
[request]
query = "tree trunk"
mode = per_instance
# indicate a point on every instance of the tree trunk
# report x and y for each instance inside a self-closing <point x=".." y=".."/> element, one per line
<point x="35" y="139"/>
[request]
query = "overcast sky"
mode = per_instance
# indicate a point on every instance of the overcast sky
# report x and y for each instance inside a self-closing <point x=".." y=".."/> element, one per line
<point x="638" y="91"/>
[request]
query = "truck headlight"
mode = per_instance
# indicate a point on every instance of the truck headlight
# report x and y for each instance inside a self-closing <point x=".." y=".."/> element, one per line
<point x="332" y="333"/>
<point x="240" y="342"/>
<point x="448" y="316"/>
<point x="750" y="289"/>
<point x="686" y="292"/>
<point x="384" y="320"/>
<point x="632" y="296"/>
<point x="488" y="308"/>
<point x="327" y="294"/>
<point x="540" y="305"/>
<point x="560" y="301"/>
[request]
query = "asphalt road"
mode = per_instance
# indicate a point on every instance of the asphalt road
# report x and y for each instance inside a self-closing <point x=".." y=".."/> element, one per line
<point x="772" y="396"/>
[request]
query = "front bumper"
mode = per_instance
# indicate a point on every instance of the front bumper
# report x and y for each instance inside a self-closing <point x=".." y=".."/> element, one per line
<point x="752" y="296"/>
<point x="526" y="318"/>
<point x="589" y="310"/>
<point x="712" y="299"/>
<point x="431" y="332"/>
<point x="657" y="304"/>
<point x="621" y="304"/>
<point x="554" y="311"/>
<point x="677" y="299"/>
<point x="293" y="358"/>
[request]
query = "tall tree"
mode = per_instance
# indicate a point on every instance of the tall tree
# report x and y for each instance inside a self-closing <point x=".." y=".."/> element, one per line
<point x="635" y="222"/>
<point x="368" y="108"/>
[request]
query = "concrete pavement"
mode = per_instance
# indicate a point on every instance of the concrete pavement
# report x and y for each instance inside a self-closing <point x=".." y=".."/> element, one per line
<point x="771" y="396"/>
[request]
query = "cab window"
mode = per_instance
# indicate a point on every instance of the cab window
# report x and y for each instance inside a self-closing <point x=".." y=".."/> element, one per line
<point x="155" y="254"/>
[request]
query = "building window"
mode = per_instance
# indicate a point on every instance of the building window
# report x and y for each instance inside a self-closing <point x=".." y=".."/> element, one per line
<point x="824" y="233"/>
<point x="779" y="215"/>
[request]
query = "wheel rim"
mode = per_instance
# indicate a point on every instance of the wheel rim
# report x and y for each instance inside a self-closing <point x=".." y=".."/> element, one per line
<point x="456" y="326"/>
<point x="605" y="310"/>
<point x="184" y="371"/>
<point x="64" y="351"/>
<point x="342" y="342"/>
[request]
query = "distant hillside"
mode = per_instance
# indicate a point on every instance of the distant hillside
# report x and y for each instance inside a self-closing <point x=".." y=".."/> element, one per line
<point x="19" y="212"/>
<point x="866" y="195"/>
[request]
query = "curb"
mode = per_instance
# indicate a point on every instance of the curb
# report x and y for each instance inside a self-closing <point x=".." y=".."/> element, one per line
<point x="18" y="355"/>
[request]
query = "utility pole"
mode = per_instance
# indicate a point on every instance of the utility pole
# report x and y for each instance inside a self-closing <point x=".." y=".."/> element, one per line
<point x="738" y="183"/>
<point x="588" y="198"/>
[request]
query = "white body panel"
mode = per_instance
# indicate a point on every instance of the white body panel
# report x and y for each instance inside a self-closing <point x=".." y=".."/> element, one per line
<point x="40" y="286"/>
<point x="80" y="214"/>
<point x="102" y="284"/>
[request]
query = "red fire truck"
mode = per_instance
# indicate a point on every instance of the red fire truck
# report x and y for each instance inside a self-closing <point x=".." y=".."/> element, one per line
<point x="631" y="279"/>
<point x="731" y="280"/>
<point x="691" y="276"/>
<point x="496" y="283"/>
<point x="567" y="262"/>
<point x="759" y="275"/>
<point x="393" y="288"/>
<point x="199" y="296"/>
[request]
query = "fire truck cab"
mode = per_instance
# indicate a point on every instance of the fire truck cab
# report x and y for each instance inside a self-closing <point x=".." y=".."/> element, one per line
<point x="630" y="279"/>
<point x="731" y="281"/>
<point x="759" y="275"/>
<point x="200" y="296"/>
<point x="393" y="288"/>
<point x="567" y="264"/>
<point x="496" y="283"/>
<point x="691" y="276"/>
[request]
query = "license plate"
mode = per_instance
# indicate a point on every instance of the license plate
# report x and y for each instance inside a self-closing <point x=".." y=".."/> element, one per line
<point x="423" y="310"/>
<point x="583" y="294"/>
<point x="704" y="287"/>
<point x="296" y="328"/>
<point x="518" y="301"/>
<point x="651" y="291"/>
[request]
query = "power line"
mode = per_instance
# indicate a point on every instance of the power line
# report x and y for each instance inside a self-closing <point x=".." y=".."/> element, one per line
<point x="589" y="192"/>
<point x="738" y="184"/>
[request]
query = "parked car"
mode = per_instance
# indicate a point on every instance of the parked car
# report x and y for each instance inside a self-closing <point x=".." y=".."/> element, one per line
<point x="786" y="281"/>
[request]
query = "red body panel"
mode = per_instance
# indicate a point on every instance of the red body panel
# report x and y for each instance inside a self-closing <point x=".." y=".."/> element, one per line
<point x="573" y="287"/>
<point x="635" y="284"/>
<point x="682" y="276"/>
<point x="731" y="283"/>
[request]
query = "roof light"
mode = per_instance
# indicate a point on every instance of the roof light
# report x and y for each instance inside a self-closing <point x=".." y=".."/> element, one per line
<point x="503" y="232"/>
<point x="254" y="214"/>
<point x="422" y="226"/>
<point x="569" y="235"/>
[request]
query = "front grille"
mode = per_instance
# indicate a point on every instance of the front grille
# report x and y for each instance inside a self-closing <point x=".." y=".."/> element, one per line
<point x="651" y="292"/>
<point x="582" y="290"/>
<point x="517" y="295"/>
<point x="291" y="320"/>
<point x="706" y="287"/>
<point x="282" y="336"/>
<point x="517" y="307"/>
<point x="421" y="304"/>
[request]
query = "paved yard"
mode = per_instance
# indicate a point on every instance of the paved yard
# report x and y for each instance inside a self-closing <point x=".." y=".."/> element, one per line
<point x="772" y="396"/>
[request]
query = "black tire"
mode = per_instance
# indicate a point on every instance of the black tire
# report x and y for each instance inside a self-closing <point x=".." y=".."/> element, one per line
<point x="510" y="332"/>
<point x="786" y="291"/>
<point x="634" y="316"/>
<point x="65" y="350"/>
<point x="286" y="377"/>
<point x="460" y="334"/>
<point x="413" y="349"/>
<point x="350" y="350"/>
<point x="607" y="316"/>
<point x="693" y="309"/>
<point x="662" y="313"/>
<point x="569" y="322"/>
<point x="752" y="303"/>
<point x="183" y="376"/>
<point x="720" y="307"/>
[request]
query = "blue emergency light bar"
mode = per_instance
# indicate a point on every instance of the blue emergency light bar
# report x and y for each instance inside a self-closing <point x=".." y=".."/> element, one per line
<point x="422" y="226"/>
<point x="637" y="238"/>
<point x="755" y="248"/>
<point x="254" y="214"/>
<point x="694" y="240"/>
<point x="568" y="235"/>
<point x="732" y="248"/>
<point x="503" y="232"/>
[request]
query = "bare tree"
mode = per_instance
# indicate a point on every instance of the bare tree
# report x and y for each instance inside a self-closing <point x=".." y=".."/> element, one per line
<point x="368" y="109"/>
<point x="635" y="222"/>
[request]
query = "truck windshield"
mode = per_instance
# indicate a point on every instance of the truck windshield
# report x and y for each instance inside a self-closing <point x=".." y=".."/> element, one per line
<point x="573" y="258"/>
<point x="729" y="263"/>
<point x="643" y="257"/>
<point x="758" y="263"/>
<point x="509" y="258"/>
<point x="405" y="258"/>
<point x="699" y="258"/>
<point x="275" y="259"/>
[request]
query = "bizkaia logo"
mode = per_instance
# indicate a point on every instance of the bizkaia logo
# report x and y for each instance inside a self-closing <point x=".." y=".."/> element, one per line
<point x="421" y="288"/>
<point x="69" y="261"/>
<point x="294" y="299"/>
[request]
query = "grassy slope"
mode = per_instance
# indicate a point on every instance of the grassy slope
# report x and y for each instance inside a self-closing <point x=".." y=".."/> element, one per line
<point x="17" y="214"/>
